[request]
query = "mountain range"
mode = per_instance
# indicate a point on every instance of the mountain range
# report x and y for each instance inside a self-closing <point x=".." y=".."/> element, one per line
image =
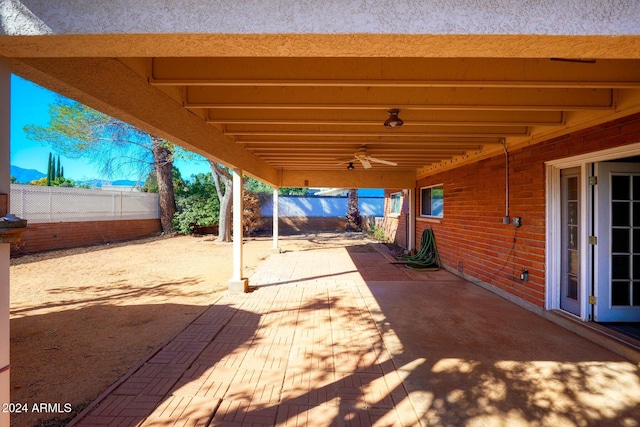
<point x="25" y="176"/>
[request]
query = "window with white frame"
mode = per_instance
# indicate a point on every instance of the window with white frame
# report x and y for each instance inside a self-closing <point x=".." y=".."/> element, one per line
<point x="395" y="204"/>
<point x="432" y="201"/>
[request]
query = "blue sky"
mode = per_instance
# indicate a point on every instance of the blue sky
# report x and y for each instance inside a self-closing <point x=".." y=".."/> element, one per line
<point x="30" y="105"/>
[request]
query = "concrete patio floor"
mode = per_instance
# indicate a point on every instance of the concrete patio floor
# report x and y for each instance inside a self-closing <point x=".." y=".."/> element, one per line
<point x="341" y="337"/>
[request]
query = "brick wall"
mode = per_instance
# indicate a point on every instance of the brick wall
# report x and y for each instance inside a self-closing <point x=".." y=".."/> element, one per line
<point x="395" y="227"/>
<point x="471" y="237"/>
<point x="60" y="235"/>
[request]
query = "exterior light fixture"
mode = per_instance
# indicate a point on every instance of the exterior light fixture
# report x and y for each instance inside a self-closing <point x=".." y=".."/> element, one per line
<point x="393" y="121"/>
<point x="350" y="167"/>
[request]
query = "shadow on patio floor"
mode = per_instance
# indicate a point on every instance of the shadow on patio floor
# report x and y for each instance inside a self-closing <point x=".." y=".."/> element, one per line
<point x="345" y="338"/>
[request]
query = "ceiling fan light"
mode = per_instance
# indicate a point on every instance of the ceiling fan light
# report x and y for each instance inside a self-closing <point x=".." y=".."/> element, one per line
<point x="393" y="121"/>
<point x="350" y="167"/>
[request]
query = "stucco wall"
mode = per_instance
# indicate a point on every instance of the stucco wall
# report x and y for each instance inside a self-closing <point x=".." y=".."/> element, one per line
<point x="471" y="237"/>
<point x="571" y="17"/>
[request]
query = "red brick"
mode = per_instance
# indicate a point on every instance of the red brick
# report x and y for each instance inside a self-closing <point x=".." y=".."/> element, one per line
<point x="62" y="235"/>
<point x="472" y="232"/>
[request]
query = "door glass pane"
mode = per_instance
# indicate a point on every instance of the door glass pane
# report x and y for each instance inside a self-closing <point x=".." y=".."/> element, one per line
<point x="620" y="187"/>
<point x="572" y="287"/>
<point x="636" y="187"/>
<point x="636" y="241"/>
<point x="636" y="294"/>
<point x="620" y="293"/>
<point x="620" y="214"/>
<point x="573" y="238"/>
<point x="572" y="188"/>
<point x="636" y="267"/>
<point x="573" y="263"/>
<point x="620" y="267"/>
<point x="620" y="240"/>
<point x="572" y="213"/>
<point x="636" y="214"/>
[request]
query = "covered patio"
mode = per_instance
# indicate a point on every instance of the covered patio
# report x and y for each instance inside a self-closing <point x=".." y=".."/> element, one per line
<point x="499" y="94"/>
<point x="340" y="336"/>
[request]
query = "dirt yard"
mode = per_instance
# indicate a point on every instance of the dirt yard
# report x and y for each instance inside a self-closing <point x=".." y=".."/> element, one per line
<point x="81" y="318"/>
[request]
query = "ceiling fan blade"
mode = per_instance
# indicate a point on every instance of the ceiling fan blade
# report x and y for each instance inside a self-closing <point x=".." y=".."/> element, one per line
<point x="347" y="161"/>
<point x="384" y="162"/>
<point x="365" y="163"/>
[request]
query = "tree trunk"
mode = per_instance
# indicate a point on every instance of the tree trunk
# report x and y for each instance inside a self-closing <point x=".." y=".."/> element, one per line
<point x="163" y="164"/>
<point x="224" y="187"/>
<point x="354" y="222"/>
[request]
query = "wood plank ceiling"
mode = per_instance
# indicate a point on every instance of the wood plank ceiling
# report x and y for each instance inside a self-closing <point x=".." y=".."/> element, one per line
<point x="316" y="113"/>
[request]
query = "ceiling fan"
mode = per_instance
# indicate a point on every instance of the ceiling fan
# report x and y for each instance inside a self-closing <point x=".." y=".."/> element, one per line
<point x="366" y="160"/>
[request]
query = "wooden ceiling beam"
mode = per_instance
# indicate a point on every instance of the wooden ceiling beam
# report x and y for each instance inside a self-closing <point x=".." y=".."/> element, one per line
<point x="414" y="84"/>
<point x="393" y="72"/>
<point x="370" y="118"/>
<point x="343" y="149"/>
<point x="436" y="132"/>
<point x="422" y="141"/>
<point x="387" y="156"/>
<point x="522" y="99"/>
<point x="339" y="164"/>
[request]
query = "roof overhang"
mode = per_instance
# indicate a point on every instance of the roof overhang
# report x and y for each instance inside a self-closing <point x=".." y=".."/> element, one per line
<point x="293" y="109"/>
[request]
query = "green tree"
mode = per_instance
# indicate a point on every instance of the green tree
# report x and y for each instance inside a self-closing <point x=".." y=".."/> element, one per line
<point x="58" y="182"/>
<point x="58" y="168"/>
<point x="13" y="179"/>
<point x="76" y="130"/>
<point x="151" y="183"/>
<point x="50" y="176"/>
<point x="294" y="191"/>
<point x="197" y="204"/>
<point x="257" y="186"/>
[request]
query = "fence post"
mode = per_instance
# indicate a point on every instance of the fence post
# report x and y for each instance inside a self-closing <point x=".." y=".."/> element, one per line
<point x="114" y="208"/>
<point x="23" y="202"/>
<point x="50" y="204"/>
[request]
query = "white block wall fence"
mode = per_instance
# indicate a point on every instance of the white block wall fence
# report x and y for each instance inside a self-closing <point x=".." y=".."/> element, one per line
<point x="60" y="217"/>
<point x="60" y="204"/>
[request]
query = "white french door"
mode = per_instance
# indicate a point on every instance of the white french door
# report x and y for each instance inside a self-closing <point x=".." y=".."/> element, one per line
<point x="570" y="223"/>
<point x="617" y="255"/>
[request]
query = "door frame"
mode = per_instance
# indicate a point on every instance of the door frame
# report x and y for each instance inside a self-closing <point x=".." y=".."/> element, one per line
<point x="553" y="247"/>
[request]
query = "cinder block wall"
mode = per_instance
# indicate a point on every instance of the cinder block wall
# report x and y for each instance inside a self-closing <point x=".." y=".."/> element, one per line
<point x="471" y="237"/>
<point x="395" y="227"/>
<point x="61" y="235"/>
<point x="293" y="225"/>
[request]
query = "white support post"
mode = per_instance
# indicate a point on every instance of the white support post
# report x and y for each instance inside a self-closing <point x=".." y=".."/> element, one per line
<point x="411" y="242"/>
<point x="275" y="221"/>
<point x="5" y="188"/>
<point x="237" y="282"/>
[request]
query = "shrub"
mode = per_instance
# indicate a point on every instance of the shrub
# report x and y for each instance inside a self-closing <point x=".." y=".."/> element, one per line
<point x="197" y="205"/>
<point x="378" y="233"/>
